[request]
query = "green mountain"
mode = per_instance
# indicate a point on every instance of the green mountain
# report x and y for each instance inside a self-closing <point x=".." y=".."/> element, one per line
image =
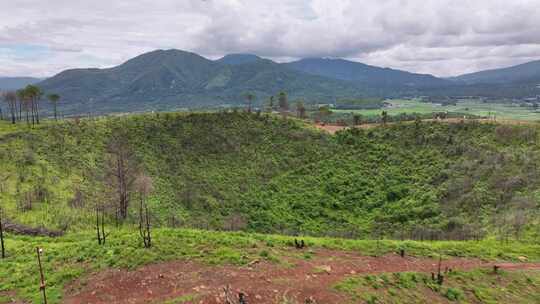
<point x="15" y="83"/>
<point x="520" y="81"/>
<point x="523" y="73"/>
<point x="234" y="59"/>
<point x="365" y="74"/>
<point x="269" y="174"/>
<point x="172" y="79"/>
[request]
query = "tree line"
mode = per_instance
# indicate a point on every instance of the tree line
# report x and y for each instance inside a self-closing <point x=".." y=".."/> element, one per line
<point x="24" y="104"/>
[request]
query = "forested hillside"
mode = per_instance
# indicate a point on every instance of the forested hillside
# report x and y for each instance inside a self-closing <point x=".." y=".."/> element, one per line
<point x="265" y="173"/>
<point x="172" y="79"/>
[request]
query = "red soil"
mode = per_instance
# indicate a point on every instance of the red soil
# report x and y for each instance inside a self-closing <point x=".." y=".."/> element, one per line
<point x="262" y="282"/>
<point x="332" y="129"/>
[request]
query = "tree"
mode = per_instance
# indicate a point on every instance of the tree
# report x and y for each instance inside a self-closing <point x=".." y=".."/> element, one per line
<point x="384" y="117"/>
<point x="11" y="99"/>
<point x="270" y="105"/>
<point x="300" y="109"/>
<point x="100" y="224"/>
<point x="324" y="113"/>
<point x="143" y="186"/>
<point x="357" y="119"/>
<point x="54" y="98"/>
<point x="121" y="168"/>
<point x="283" y="103"/>
<point x="22" y="96"/>
<point x="249" y="99"/>
<point x="34" y="95"/>
<point x="2" y="235"/>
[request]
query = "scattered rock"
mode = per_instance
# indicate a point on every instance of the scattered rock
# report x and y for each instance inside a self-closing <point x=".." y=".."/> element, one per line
<point x="325" y="268"/>
<point x="253" y="263"/>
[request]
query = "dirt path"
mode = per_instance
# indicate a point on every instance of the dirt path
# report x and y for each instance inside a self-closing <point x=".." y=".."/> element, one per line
<point x="295" y="279"/>
<point x="332" y="129"/>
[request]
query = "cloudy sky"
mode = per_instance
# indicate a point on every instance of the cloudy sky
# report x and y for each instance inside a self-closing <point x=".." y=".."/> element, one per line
<point x="442" y="37"/>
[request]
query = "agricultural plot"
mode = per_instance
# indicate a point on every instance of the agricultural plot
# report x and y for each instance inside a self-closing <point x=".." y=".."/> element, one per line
<point x="465" y="107"/>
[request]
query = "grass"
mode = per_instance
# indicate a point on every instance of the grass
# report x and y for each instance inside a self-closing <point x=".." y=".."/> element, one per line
<point x="77" y="254"/>
<point x="477" y="286"/>
<point x="474" y="108"/>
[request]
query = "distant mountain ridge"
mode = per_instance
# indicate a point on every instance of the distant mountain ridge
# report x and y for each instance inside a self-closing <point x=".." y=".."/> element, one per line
<point x="169" y="79"/>
<point x="15" y="83"/>
<point x="523" y="73"/>
<point x="172" y="79"/>
<point x="365" y="74"/>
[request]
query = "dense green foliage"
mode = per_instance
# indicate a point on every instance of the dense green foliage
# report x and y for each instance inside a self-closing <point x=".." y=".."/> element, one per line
<point x="268" y="174"/>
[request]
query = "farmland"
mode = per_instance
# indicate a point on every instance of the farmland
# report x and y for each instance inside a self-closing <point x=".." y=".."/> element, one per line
<point x="463" y="107"/>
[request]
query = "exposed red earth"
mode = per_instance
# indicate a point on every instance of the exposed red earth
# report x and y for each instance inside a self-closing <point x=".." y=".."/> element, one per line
<point x="332" y="129"/>
<point x="293" y="279"/>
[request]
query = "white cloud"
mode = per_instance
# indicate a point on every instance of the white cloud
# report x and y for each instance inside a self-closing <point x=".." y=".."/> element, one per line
<point x="443" y="37"/>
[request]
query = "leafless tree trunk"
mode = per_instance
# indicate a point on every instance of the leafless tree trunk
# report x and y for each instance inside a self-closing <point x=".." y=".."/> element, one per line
<point x="100" y="225"/>
<point x="2" y="236"/>
<point x="42" y="277"/>
<point x="11" y="100"/>
<point x="144" y="187"/>
<point x="121" y="169"/>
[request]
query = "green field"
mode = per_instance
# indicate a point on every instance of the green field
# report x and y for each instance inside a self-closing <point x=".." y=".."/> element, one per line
<point x="473" y="108"/>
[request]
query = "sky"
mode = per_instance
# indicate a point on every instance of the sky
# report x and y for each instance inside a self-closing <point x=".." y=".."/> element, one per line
<point x="441" y="37"/>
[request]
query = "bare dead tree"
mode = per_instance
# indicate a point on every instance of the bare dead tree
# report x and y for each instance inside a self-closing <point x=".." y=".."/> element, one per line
<point x="440" y="277"/>
<point x="143" y="186"/>
<point x="2" y="235"/>
<point x="42" y="277"/>
<point x="11" y="99"/>
<point x="100" y="224"/>
<point x="121" y="170"/>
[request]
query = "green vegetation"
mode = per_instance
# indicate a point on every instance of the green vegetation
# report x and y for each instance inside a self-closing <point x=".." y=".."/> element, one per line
<point x="360" y="103"/>
<point x="167" y="80"/>
<point x="267" y="174"/>
<point x="76" y="254"/>
<point x="478" y="286"/>
<point x="183" y="299"/>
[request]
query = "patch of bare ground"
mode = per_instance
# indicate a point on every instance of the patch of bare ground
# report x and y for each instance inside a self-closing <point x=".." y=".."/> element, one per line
<point x="10" y="297"/>
<point x="332" y="129"/>
<point x="294" y="279"/>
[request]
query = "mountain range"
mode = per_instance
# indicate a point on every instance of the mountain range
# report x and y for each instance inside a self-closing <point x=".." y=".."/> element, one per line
<point x="15" y="83"/>
<point x="169" y="79"/>
<point x="172" y="79"/>
<point x="524" y="73"/>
